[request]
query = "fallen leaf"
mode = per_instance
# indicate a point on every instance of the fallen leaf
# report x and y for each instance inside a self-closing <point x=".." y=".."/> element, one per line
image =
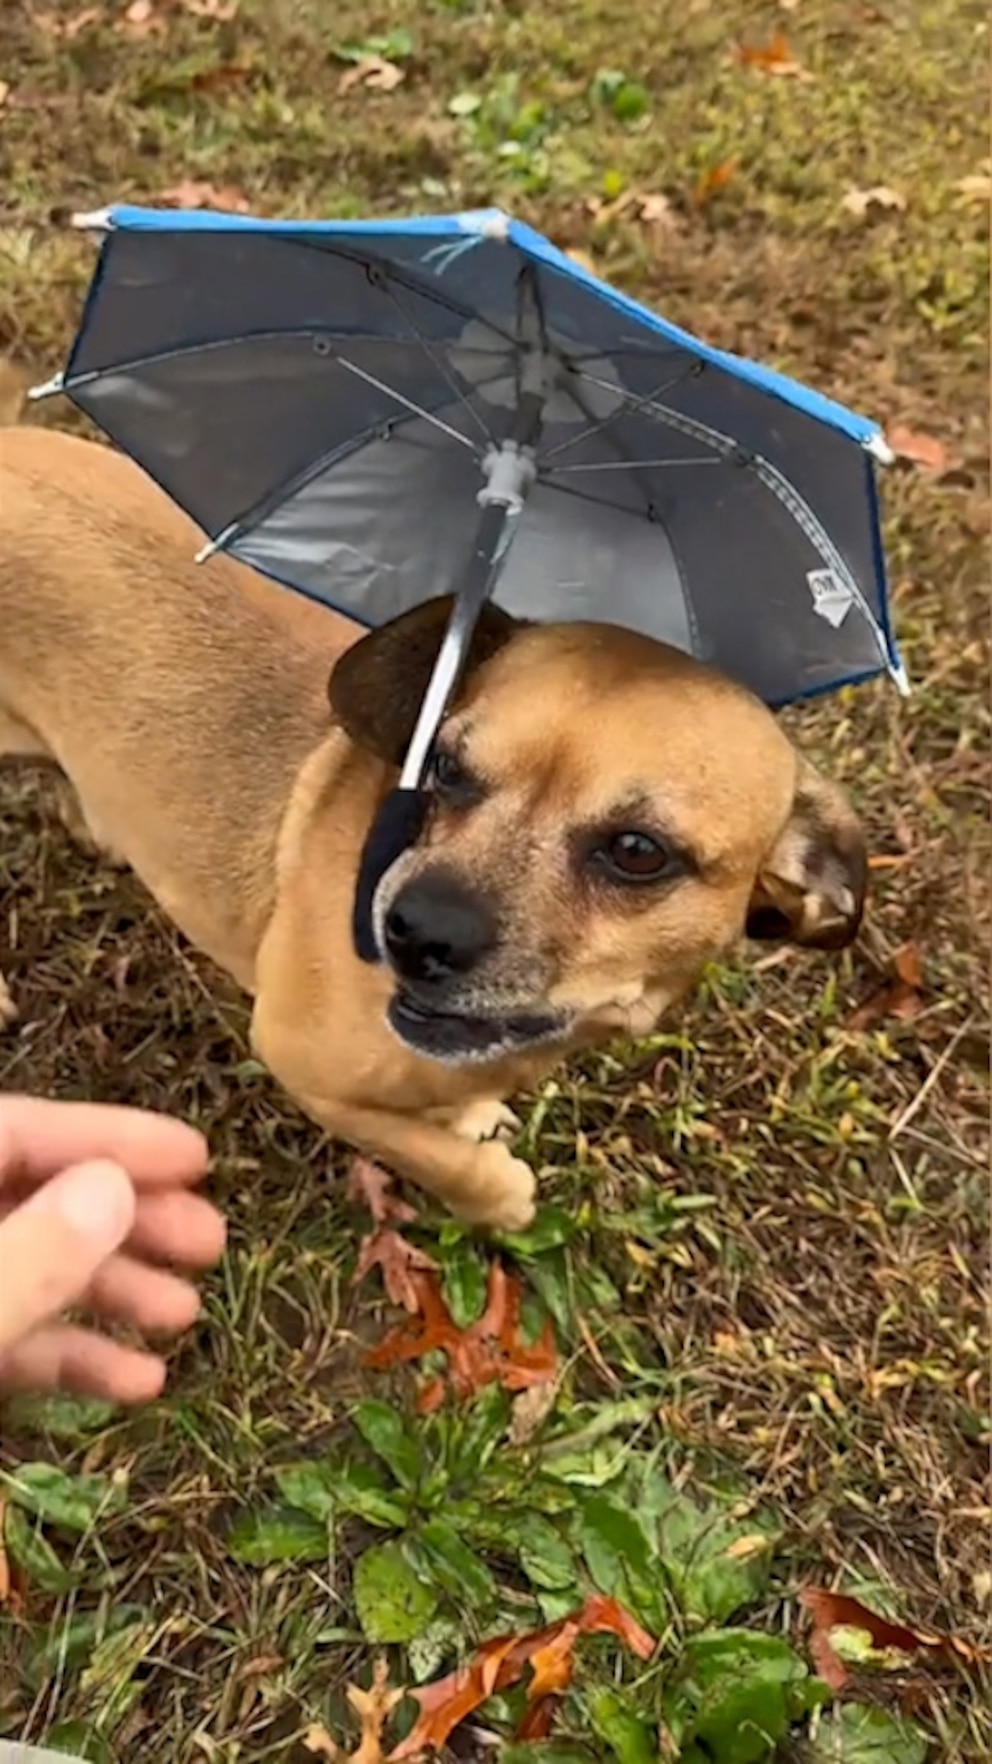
<point x="831" y="1610"/>
<point x="374" y="73"/>
<point x="397" y="1260"/>
<point x="530" y="1410"/>
<point x="502" y="1661"/>
<point x="774" y="57"/>
<point x="715" y="178"/>
<point x="489" y="1351"/>
<point x="743" y="1548"/>
<point x="552" y="1665"/>
<point x="4" y="92"/>
<point x="977" y="187"/>
<point x="142" y="18"/>
<point x="67" y="28"/>
<point x="190" y="193"/>
<point x="371" y="1186"/>
<point x="373" y="1708"/>
<point x="221" y="10"/>
<point x="583" y="260"/>
<point x="923" y="450"/>
<point x="859" y="202"/>
<point x="318" y="1741"/>
<point x="899" y="997"/>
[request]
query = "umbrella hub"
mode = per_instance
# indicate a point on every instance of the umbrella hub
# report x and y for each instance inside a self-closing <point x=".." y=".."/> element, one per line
<point x="509" y="471"/>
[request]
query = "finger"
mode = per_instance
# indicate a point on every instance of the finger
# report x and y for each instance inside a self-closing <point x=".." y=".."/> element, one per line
<point x="39" y="1137"/>
<point x="183" y="1229"/>
<point x="152" y="1300"/>
<point x="63" y="1357"/>
<point x="52" y="1245"/>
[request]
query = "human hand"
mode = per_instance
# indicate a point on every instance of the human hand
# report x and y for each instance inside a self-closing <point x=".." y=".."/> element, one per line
<point x="93" y="1201"/>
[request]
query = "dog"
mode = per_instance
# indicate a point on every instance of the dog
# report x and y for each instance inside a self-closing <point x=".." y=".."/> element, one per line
<point x="607" y="816"/>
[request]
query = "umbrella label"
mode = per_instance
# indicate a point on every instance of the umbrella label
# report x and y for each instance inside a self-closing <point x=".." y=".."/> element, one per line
<point x="832" y="598"/>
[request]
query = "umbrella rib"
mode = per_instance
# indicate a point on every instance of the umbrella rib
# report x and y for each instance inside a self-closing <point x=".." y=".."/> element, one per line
<point x="781" y="487"/>
<point x="408" y="404"/>
<point x="441" y="366"/>
<point x="376" y="268"/>
<point x="177" y="351"/>
<point x="628" y="406"/>
<point x="623" y="465"/>
<point x="274" y="499"/>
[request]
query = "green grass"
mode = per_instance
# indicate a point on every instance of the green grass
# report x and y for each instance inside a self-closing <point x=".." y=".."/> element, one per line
<point x="767" y="1230"/>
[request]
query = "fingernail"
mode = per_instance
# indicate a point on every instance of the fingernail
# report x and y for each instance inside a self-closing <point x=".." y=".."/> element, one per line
<point x="97" y="1201"/>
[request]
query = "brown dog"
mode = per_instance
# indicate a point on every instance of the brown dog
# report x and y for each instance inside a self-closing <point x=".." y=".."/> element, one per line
<point x="608" y="816"/>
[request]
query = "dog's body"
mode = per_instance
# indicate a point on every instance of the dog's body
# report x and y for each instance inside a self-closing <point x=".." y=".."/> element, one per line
<point x="609" y="816"/>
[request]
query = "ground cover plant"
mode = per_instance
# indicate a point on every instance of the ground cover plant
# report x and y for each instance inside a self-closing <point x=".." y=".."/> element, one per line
<point x="696" y="1468"/>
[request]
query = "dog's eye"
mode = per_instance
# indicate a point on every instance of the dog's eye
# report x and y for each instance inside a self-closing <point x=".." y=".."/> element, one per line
<point x="448" y="773"/>
<point x="635" y="857"/>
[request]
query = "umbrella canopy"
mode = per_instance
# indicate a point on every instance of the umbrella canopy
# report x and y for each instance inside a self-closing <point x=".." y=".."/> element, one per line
<point x="375" y="413"/>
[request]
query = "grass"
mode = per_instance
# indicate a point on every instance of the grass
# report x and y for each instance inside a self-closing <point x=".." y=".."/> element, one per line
<point x="769" y="1225"/>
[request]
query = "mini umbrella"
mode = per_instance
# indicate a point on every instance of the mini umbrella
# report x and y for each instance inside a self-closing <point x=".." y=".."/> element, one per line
<point x="375" y="413"/>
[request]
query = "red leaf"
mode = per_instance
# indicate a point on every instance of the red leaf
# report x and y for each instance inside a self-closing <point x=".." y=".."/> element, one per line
<point x="537" y="1722"/>
<point x="447" y="1702"/>
<point x="773" y="57"/>
<point x="898" y="997"/>
<point x="831" y="1610"/>
<point x="500" y="1662"/>
<point x="191" y="193"/>
<point x="923" y="450"/>
<point x="490" y="1351"/>
<point x="371" y="1186"/>
<point x="600" y="1613"/>
<point x="397" y="1260"/>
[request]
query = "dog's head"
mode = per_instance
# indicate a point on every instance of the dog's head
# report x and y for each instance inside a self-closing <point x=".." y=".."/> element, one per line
<point x="607" y="817"/>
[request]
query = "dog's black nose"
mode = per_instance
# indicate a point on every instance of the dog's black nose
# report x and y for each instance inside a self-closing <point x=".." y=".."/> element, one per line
<point x="436" y="929"/>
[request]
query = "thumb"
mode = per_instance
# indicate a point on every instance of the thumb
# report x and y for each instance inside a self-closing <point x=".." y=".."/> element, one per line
<point x="51" y="1247"/>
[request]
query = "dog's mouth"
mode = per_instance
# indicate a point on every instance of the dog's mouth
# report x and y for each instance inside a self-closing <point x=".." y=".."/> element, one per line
<point x="459" y="1038"/>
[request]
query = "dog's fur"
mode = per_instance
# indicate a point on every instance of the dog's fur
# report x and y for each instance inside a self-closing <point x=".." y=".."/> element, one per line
<point x="188" y="707"/>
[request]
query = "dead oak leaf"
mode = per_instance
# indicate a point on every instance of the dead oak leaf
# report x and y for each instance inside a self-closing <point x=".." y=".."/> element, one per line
<point x="318" y="1741"/>
<point x="920" y="449"/>
<point x="714" y="179"/>
<point x="141" y="19"/>
<point x="221" y="11"/>
<point x="489" y="1351"/>
<point x="900" y="996"/>
<point x="860" y="203"/>
<point x="192" y="193"/>
<point x="67" y="29"/>
<point x="774" y="57"/>
<point x="371" y="1186"/>
<point x="397" y="1261"/>
<point x="502" y="1661"/>
<point x="374" y="73"/>
<point x="830" y="1611"/>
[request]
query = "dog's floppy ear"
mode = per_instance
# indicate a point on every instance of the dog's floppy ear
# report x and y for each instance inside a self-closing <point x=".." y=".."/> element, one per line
<point x="811" y="887"/>
<point x="377" y="687"/>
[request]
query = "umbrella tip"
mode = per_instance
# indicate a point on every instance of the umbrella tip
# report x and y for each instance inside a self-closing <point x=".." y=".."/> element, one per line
<point x="96" y="220"/>
<point x="879" y="449"/>
<point x="900" y="679"/>
<point x="47" y="389"/>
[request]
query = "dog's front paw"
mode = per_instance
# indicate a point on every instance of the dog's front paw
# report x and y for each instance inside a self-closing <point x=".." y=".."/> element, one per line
<point x="486" y="1118"/>
<point x="503" y="1192"/>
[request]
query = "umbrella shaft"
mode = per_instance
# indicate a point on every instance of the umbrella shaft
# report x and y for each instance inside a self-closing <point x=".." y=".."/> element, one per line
<point x="492" y="537"/>
<point x="483" y="569"/>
